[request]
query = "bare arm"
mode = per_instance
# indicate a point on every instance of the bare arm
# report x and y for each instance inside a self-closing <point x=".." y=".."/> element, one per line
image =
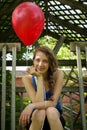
<point x="57" y="91"/>
<point x="35" y="96"/>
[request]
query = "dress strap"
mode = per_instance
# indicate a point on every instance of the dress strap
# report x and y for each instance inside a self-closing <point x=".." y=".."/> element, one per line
<point x="34" y="83"/>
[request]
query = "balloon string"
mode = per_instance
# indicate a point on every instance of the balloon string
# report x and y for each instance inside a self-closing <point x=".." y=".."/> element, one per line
<point x="27" y="56"/>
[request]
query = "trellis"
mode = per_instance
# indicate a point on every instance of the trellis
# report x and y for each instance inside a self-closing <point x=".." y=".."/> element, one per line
<point x="62" y="17"/>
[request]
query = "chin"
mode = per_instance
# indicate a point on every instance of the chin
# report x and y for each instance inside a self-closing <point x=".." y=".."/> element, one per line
<point x="41" y="72"/>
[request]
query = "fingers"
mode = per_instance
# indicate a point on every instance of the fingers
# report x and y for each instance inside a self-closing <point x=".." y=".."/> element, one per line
<point x="28" y="118"/>
<point x="31" y="70"/>
<point x="24" y="119"/>
<point x="28" y="70"/>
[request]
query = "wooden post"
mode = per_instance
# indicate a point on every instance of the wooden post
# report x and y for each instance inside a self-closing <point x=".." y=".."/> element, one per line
<point x="13" y="88"/>
<point x="80" y="46"/>
<point x="3" y="88"/>
<point x="8" y="47"/>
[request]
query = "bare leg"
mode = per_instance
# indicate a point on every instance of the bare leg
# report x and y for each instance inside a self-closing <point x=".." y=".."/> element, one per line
<point x="38" y="118"/>
<point x="53" y="117"/>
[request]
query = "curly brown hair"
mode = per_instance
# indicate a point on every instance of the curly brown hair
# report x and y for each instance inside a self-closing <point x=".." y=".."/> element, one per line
<point x="53" y="64"/>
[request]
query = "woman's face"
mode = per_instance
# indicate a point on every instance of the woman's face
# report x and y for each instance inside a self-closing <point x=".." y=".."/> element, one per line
<point x="41" y="62"/>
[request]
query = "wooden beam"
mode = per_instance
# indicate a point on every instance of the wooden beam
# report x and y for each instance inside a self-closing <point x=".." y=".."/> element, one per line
<point x="55" y="35"/>
<point x="46" y="15"/>
<point x="74" y="4"/>
<point x="30" y="62"/>
<point x="65" y="89"/>
<point x="82" y="46"/>
<point x="58" y="45"/>
<point x="65" y="23"/>
<point x="8" y="6"/>
<point x="10" y="45"/>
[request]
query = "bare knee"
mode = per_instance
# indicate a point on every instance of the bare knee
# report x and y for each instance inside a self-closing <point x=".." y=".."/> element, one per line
<point x="53" y="117"/>
<point x="38" y="115"/>
<point x="52" y="113"/>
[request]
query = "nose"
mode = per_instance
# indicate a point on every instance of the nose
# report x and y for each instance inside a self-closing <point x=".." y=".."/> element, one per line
<point x="40" y="63"/>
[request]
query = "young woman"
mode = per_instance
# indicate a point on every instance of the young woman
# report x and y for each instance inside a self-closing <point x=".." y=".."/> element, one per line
<point x="43" y="84"/>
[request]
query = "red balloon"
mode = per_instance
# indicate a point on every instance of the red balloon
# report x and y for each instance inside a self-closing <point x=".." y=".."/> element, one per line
<point x="28" y="22"/>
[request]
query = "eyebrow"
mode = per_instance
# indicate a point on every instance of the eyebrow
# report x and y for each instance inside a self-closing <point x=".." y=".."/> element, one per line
<point x="43" y="59"/>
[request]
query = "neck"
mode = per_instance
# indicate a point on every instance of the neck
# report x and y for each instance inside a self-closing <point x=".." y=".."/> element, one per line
<point x="45" y="77"/>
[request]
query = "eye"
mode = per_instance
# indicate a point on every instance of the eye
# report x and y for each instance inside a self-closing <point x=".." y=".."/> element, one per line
<point x="45" y="61"/>
<point x="37" y="60"/>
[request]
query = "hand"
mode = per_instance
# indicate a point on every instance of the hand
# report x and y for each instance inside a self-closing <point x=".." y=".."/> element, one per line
<point x="32" y="70"/>
<point x="25" y="115"/>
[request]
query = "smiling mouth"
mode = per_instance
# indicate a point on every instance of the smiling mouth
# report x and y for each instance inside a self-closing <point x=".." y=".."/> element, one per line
<point x="41" y="69"/>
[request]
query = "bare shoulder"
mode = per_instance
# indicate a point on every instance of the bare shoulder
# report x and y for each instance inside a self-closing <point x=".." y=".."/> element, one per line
<point x="26" y="78"/>
<point x="58" y="74"/>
